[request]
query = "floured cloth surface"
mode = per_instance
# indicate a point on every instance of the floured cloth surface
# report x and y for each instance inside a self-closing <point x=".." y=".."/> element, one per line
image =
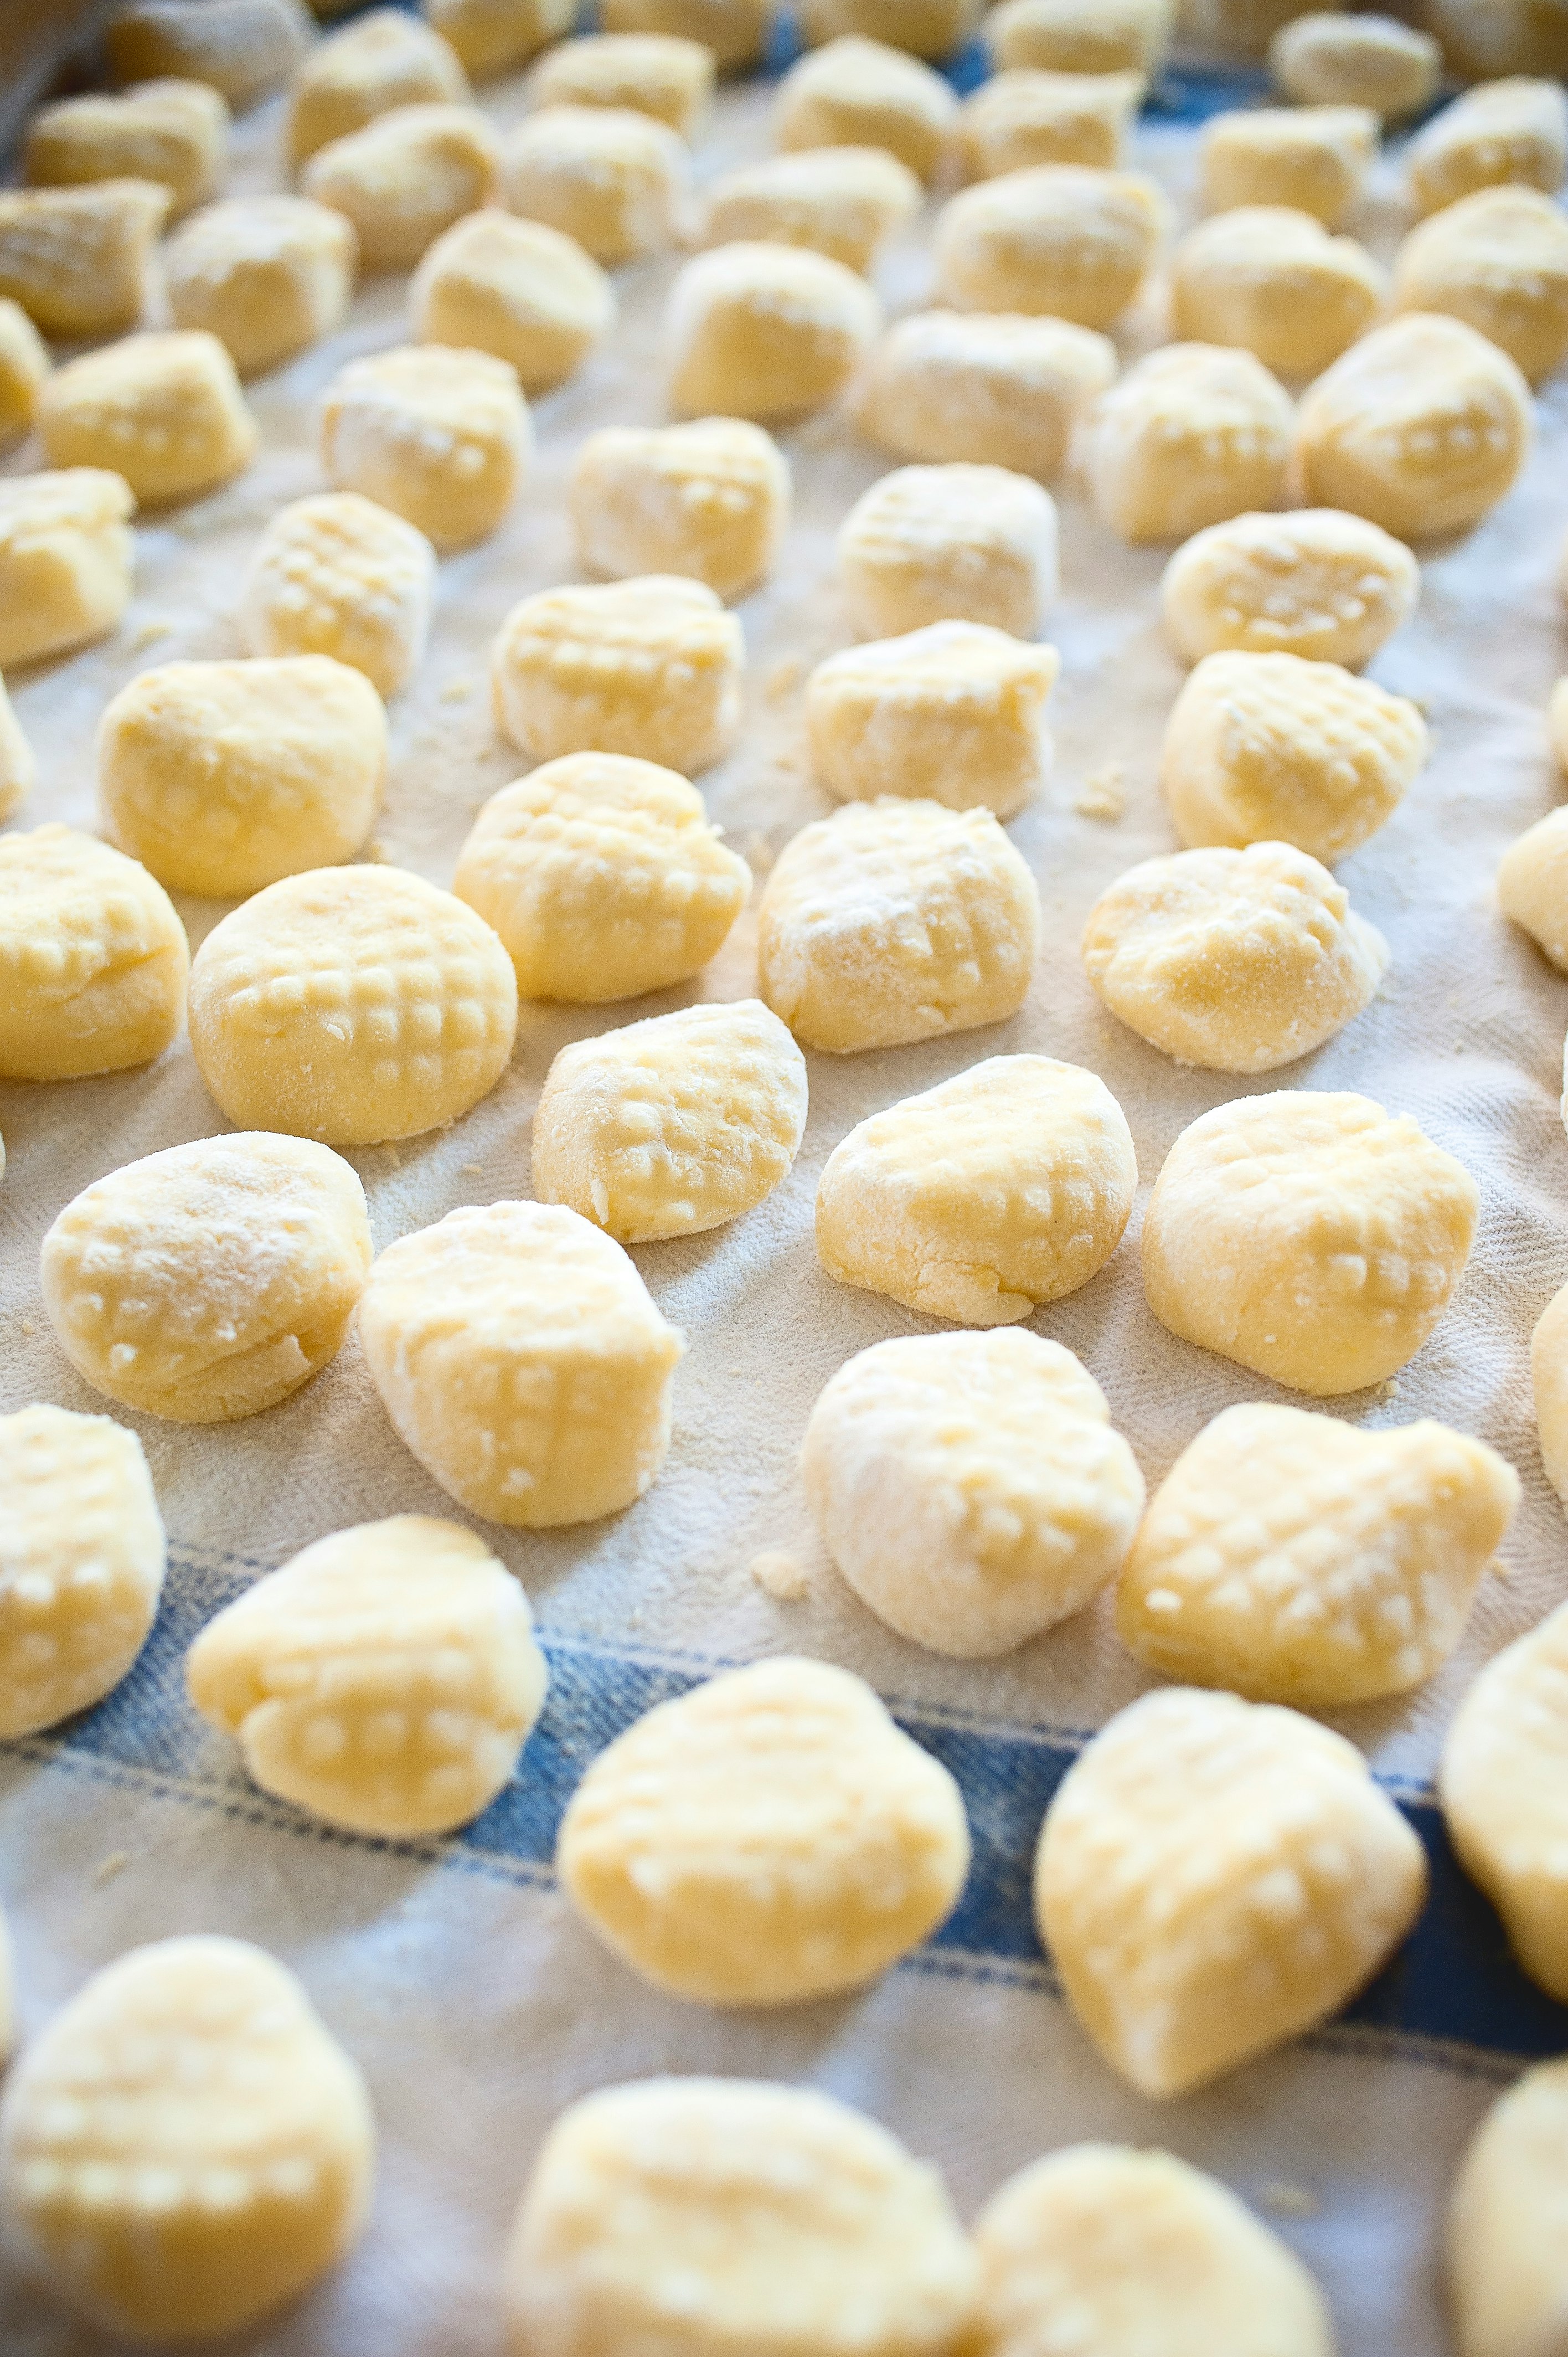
<point x="452" y="1970"/>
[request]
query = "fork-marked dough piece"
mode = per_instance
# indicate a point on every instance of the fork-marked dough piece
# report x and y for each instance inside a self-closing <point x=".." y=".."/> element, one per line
<point x="1193" y="434"/>
<point x="405" y="177"/>
<point x="93" y="959"/>
<point x="1058" y="238"/>
<point x="1510" y="132"/>
<point x="1497" y="260"/>
<point x="440" y="437"/>
<point x="164" y="410"/>
<point x="517" y="289"/>
<point x="173" y="133"/>
<point x="857" y="94"/>
<point x="765" y="332"/>
<point x="710" y="500"/>
<point x="649" y="668"/>
<point x="77" y="260"/>
<point x="267" y="276"/>
<point x="952" y="714"/>
<point x="994" y="389"/>
<point x="1501" y="1785"/>
<point x="1317" y="583"/>
<point x="337" y="574"/>
<point x="949" y="543"/>
<point x="613" y="179"/>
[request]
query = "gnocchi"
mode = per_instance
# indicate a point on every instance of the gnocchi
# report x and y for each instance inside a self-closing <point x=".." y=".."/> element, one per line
<point x="67" y="560"/>
<point x="337" y="574"/>
<point x="954" y="713"/>
<point x="1506" y="2276"/>
<point x="163" y="410"/>
<point x="78" y="260"/>
<point x="845" y="202"/>
<point x="661" y="74"/>
<point x="266" y="276"/>
<point x="1512" y="132"/>
<point x="649" y="668"/>
<point x="1191" y="435"/>
<point x="1316" y="159"/>
<point x="442" y="438"/>
<point x="987" y="388"/>
<point x="1317" y="583"/>
<point x="173" y="133"/>
<point x="1325" y="58"/>
<point x="949" y="543"/>
<point x="1058" y="238"/>
<point x="710" y="500"/>
<point x="614" y="181"/>
<point x="406" y="176"/>
<point x="1274" y="281"/>
<point x="765" y="332"/>
<point x="384" y="59"/>
<point x="1082" y="37"/>
<point x="854" y="92"/>
<point x="1501" y="1787"/>
<point x="1029" y="116"/>
<point x="517" y="289"/>
<point x="93" y="959"/>
<point x="1497" y="260"/>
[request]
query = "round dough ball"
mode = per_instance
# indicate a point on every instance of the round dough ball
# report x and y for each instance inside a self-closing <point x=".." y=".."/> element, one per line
<point x="608" y="176"/>
<point x="780" y="2217"/>
<point x="1507" y="2280"/>
<point x="985" y="1195"/>
<point x="223" y="777"/>
<point x="676" y="1850"/>
<point x="1317" y="583"/>
<point x="765" y="332"/>
<point x="385" y="1679"/>
<point x="81" y="1563"/>
<point x="169" y="131"/>
<point x="1142" y="2253"/>
<point x="1329" y="59"/>
<point x="184" y="2147"/>
<point x="517" y="289"/>
<point x="1161" y="1869"/>
<point x="523" y="1361"/>
<point x="1274" y="281"/>
<point x="970" y="1488"/>
<point x="1191" y="435"/>
<point x="673" y="1126"/>
<point x="949" y="543"/>
<point x="266" y="276"/>
<point x="93" y="959"/>
<point x="602" y="877"/>
<point x="996" y="390"/>
<point x="929" y="28"/>
<point x="211" y="1280"/>
<point x="387" y="59"/>
<point x="736" y="31"/>
<point x="1497" y="260"/>
<point x="67" y="560"/>
<point x="1236" y="961"/>
<point x="17" y="767"/>
<point x="860" y="93"/>
<point x="1533" y="885"/>
<point x="1027" y="117"/>
<point x="1549" y="1376"/>
<point x="1504" y="134"/>
<point x="649" y="668"/>
<point x="405" y="177"/>
<point x="493" y="37"/>
<point x="710" y="500"/>
<point x="1422" y="426"/>
<point x="440" y="437"/>
<point x="1308" y="1236"/>
<point x="1060" y="238"/>
<point x="1316" y="159"/>
<point x="845" y="202"/>
<point x="242" y="48"/>
<point x="25" y="362"/>
<point x="894" y="921"/>
<point x="79" y="261"/>
<point x="1293" y="1559"/>
<point x="164" y="410"/>
<point x="954" y="713"/>
<point x="1081" y="36"/>
<point x="337" y="575"/>
<point x="660" y="74"/>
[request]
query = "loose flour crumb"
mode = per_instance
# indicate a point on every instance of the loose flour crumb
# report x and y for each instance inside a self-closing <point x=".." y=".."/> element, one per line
<point x="1102" y="794"/>
<point x="778" y="1575"/>
<point x="108" y="1868"/>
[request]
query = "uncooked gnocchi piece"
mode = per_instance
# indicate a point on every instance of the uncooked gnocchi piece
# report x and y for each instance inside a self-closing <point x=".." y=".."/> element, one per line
<point x="1502" y="1788"/>
<point x="81" y="1566"/>
<point x="185" y="2148"/>
<point x="1549" y="1377"/>
<point x="675" y="1848"/>
<point x="1136" y="2252"/>
<point x="1274" y="281"/>
<point x="163" y="410"/>
<point x="67" y="558"/>
<point x="602" y="877"/>
<point x="266" y="276"/>
<point x="1214" y="1877"/>
<point x="440" y="437"/>
<point x="1497" y="260"/>
<point x="384" y="59"/>
<point x="1291" y="1558"/>
<point x="1059" y="238"/>
<point x="405" y="177"/>
<point x="335" y="575"/>
<point x="650" y="667"/>
<point x="1533" y="885"/>
<point x="1082" y="37"/>
<point x="894" y="921"/>
<point x="1507" y="2277"/>
<point x="860" y="93"/>
<point x="673" y="1126"/>
<point x="949" y="543"/>
<point x="1325" y="59"/>
<point x="952" y="714"/>
<point x="93" y="959"/>
<point x="173" y="133"/>
<point x="653" y="73"/>
<point x="351" y="1005"/>
<point x="995" y="389"/>
<point x="493" y="37"/>
<point x="1192" y="435"/>
<point x="17" y="767"/>
<point x="765" y="332"/>
<point x="710" y="500"/>
<point x="77" y="260"/>
<point x="24" y="364"/>
<point x="613" y="179"/>
<point x="1309" y="1235"/>
<point x="735" y="30"/>
<point x="733" y="2215"/>
<point x="1006" y="1187"/>
<point x="1422" y="426"/>
<point x="1557" y="722"/>
<point x="522" y="1361"/>
<point x="242" y="48"/>
<point x="1028" y="117"/>
<point x="210" y="1281"/>
<point x="1235" y="961"/>
<point x="1317" y="583"/>
<point x="385" y="1679"/>
<point x="517" y="289"/>
<point x="845" y="202"/>
<point x="1481" y="37"/>
<point x="1316" y="159"/>
<point x="970" y="1487"/>
<point x="223" y="777"/>
<point x="929" y="29"/>
<point x="1502" y="134"/>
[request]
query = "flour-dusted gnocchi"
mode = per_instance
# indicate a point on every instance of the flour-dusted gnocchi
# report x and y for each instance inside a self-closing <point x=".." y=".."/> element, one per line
<point x="1557" y="723"/>
<point x="661" y="74"/>
<point x="522" y="1361"/>
<point x="673" y="1126"/>
<point x="1316" y="583"/>
<point x="845" y="202"/>
<point x="24" y="364"/>
<point x="1497" y="260"/>
<point x="405" y="176"/>
<point x="674" y="1847"/>
<point x="67" y="560"/>
<point x="896" y="920"/>
<point x="859" y="93"/>
<point x="177" y="2218"/>
<point x="1316" y="159"/>
<point x="1549" y="1377"/>
<point x="650" y="667"/>
<point x="17" y="767"/>
<point x="337" y="575"/>
<point x="1507" y="2277"/>
<point x="736" y="31"/>
<point x="1192" y="435"/>
<point x="710" y="500"/>
<point x="1214" y="1877"/>
<point x="1533" y="885"/>
<point x="602" y="877"/>
<point x="1482" y="37"/>
<point x="266" y="276"/>
<point x="384" y="60"/>
<point x="929" y="28"/>
<point x="970" y="1487"/>
<point x="517" y="289"/>
<point x="385" y="1679"/>
<point x="440" y="437"/>
<point x="173" y="133"/>
<point x="1512" y="132"/>
<point x="990" y="389"/>
<point x="77" y="260"/>
<point x="1235" y="961"/>
<point x="952" y="714"/>
<point x="1325" y="58"/>
<point x="81" y="1563"/>
<point x="93" y="959"/>
<point x="493" y="37"/>
<point x="615" y="179"/>
<point x="1309" y="1235"/>
<point x="242" y="48"/>
<point x="1274" y="281"/>
<point x="1058" y="238"/>
<point x="1082" y="37"/>
<point x="955" y="543"/>
<point x="1501" y="1788"/>
<point x="164" y="410"/>
<point x="1028" y="117"/>
<point x="209" y="1281"/>
<point x="765" y="332"/>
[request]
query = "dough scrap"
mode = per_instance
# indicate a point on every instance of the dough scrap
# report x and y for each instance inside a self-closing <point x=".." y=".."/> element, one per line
<point x="1325" y="59"/>
<point x="845" y="202"/>
<point x="1029" y="116"/>
<point x="1082" y="37"/>
<point x="1511" y="132"/>
<point x="954" y="713"/>
<point x="406" y="176"/>
<point x="384" y="59"/>
<point x="517" y="289"/>
<point x="992" y="388"/>
<point x="949" y="543"/>
<point x="857" y="94"/>
<point x="659" y="74"/>
<point x="1273" y="280"/>
<point x="1317" y="583"/>
<point x="171" y="132"/>
<point x="1191" y="435"/>
<point x="1497" y="260"/>
<point x="77" y="260"/>
<point x="442" y="438"/>
<point x="649" y="668"/>
<point x="164" y="410"/>
<point x="710" y="500"/>
<point x="67" y="560"/>
<point x="1507" y="2279"/>
<point x="93" y="959"/>
<point x="615" y="179"/>
<point x="335" y="575"/>
<point x="1058" y="238"/>
<point x="1316" y="159"/>
<point x="765" y="332"/>
<point x="266" y="276"/>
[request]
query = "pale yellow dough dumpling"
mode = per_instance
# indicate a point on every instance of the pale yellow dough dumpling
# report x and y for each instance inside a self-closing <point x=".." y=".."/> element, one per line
<point x="267" y="276"/>
<point x="659" y="74"/>
<point x="211" y="1280"/>
<point x="173" y="133"/>
<point x="1502" y="1788"/>
<point x="385" y="1679"/>
<point x="952" y="714"/>
<point x="1026" y="117"/>
<point x="1059" y="238"/>
<point x="930" y="28"/>
<point x="949" y="543"/>
<point x="1502" y="134"/>
<point x="1549" y="1378"/>
<point x="18" y="767"/>
<point x="164" y="410"/>
<point x="735" y="30"/>
<point x="67" y="559"/>
<point x="650" y="667"/>
<point x="1308" y="1236"/>
<point x="994" y="389"/>
<point x="676" y="1850"/>
<point x="517" y="289"/>
<point x="523" y="1361"/>
<point x="1326" y="59"/>
<point x="858" y="93"/>
<point x="845" y="202"/>
<point x="24" y="364"/>
<point x="1157" y="1875"/>
<point x="492" y="36"/>
<point x="1316" y="159"/>
<point x="970" y="1487"/>
<point x="1316" y="583"/>
<point x="1497" y="260"/>
<point x="337" y="575"/>
<point x="1533" y="885"/>
<point x="405" y="177"/>
<point x="262" y="2167"/>
<point x="613" y="179"/>
<point x="242" y="48"/>
<point x="1274" y="281"/>
<point x="77" y="260"/>
<point x="384" y="60"/>
<point x="765" y="332"/>
<point x="93" y="959"/>
<point x="442" y="438"/>
<point x="1507" y="2278"/>
<point x="1081" y="36"/>
<point x="1191" y="435"/>
<point x="896" y="920"/>
<point x="81" y="1563"/>
<point x="1481" y="37"/>
<point x="710" y="500"/>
